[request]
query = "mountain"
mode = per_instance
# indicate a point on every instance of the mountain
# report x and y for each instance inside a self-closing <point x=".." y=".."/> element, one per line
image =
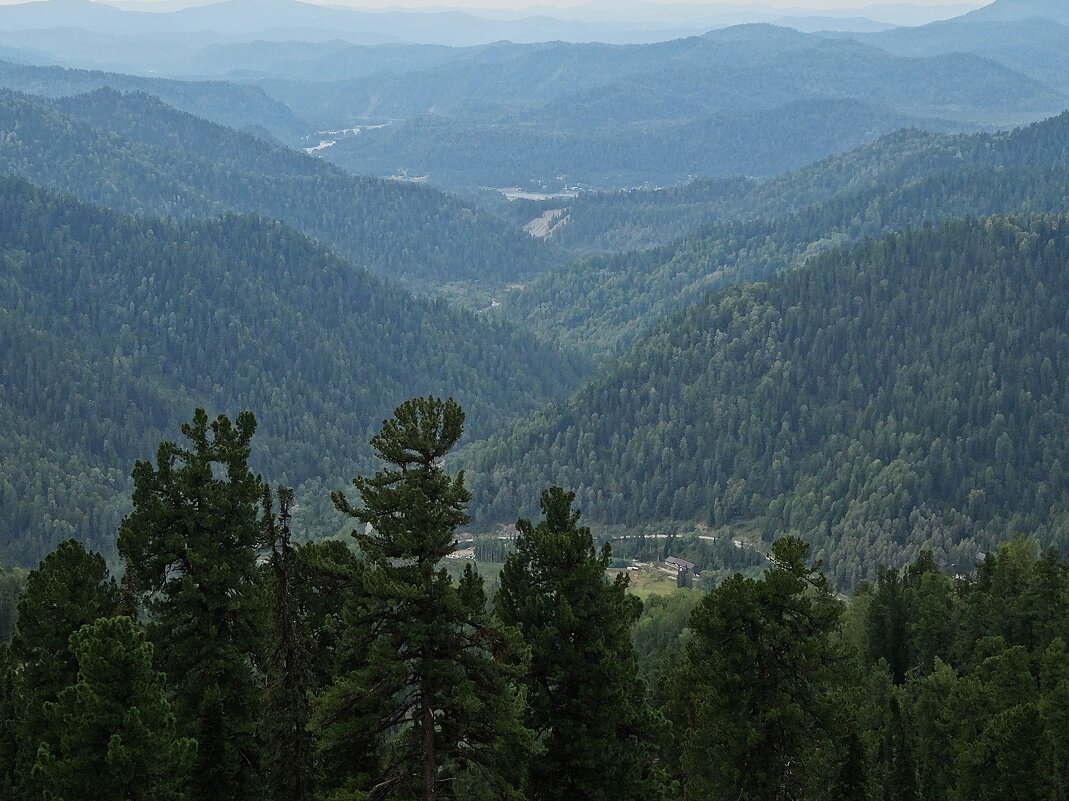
<point x="283" y="20"/>
<point x="557" y="115"/>
<point x="134" y="154"/>
<point x="1005" y="10"/>
<point x="114" y="328"/>
<point x="907" y="394"/>
<point x="603" y="303"/>
<point x="740" y="68"/>
<point x="757" y="143"/>
<point x="1033" y="46"/>
<point x="242" y="107"/>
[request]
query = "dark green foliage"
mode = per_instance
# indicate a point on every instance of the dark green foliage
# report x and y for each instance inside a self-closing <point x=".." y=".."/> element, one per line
<point x="70" y="588"/>
<point x="422" y="703"/>
<point x="753" y="230"/>
<point x="118" y="738"/>
<point x="191" y="542"/>
<point x="114" y="327"/>
<point x="754" y="700"/>
<point x="134" y="154"/>
<point x="906" y="395"/>
<point x="323" y="587"/>
<point x="12" y="582"/>
<point x="985" y="718"/>
<point x="288" y="750"/>
<point x="9" y="744"/>
<point x="661" y="634"/>
<point x="585" y="700"/>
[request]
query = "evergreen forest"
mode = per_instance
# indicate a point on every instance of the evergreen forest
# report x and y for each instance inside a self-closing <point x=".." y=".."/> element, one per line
<point x="612" y="401"/>
<point x="230" y="661"/>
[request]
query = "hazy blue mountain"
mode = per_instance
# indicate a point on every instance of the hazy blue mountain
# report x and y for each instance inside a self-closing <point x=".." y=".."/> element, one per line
<point x="1002" y="10"/>
<point x="225" y="103"/>
<point x="135" y="154"/>
<point x="1034" y="46"/>
<point x="758" y="143"/>
<point x="290" y="19"/>
<point x="910" y="178"/>
<point x="558" y="114"/>
<point x="741" y="68"/>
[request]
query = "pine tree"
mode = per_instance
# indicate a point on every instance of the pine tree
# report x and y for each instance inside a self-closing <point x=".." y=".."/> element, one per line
<point x="754" y="699"/>
<point x="71" y="588"/>
<point x="424" y="697"/>
<point x="191" y="547"/>
<point x="117" y="738"/>
<point x="8" y="742"/>
<point x="288" y="749"/>
<point x="585" y="699"/>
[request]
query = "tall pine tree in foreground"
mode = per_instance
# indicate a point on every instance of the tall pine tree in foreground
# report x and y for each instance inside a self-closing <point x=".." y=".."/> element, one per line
<point x="71" y="588"/>
<point x="423" y="706"/>
<point x="117" y="738"/>
<point x="586" y="703"/>
<point x="288" y="750"/>
<point x="191" y="546"/>
<point x="756" y="696"/>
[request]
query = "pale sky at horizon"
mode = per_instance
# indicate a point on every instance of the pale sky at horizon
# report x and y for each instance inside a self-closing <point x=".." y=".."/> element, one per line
<point x="520" y="4"/>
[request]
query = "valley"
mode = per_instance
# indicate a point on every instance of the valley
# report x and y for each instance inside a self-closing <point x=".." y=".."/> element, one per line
<point x="635" y="399"/>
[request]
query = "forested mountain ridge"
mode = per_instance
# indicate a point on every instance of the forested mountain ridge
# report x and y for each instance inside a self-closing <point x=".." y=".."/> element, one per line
<point x="230" y="104"/>
<point x="592" y="115"/>
<point x="133" y="153"/>
<point x="603" y="303"/>
<point x="114" y="327"/>
<point x="761" y="142"/>
<point x="903" y="395"/>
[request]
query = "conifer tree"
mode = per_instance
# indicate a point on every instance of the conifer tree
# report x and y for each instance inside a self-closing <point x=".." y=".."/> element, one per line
<point x="424" y="697"/>
<point x="8" y="743"/>
<point x="191" y="548"/>
<point x="71" y="588"/>
<point x="117" y="737"/>
<point x="755" y="696"/>
<point x="288" y="749"/>
<point x="585" y="700"/>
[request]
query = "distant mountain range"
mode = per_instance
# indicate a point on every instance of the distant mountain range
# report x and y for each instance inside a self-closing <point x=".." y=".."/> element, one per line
<point x="597" y="21"/>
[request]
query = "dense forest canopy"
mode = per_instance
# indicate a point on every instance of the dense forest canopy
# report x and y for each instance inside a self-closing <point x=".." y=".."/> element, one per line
<point x="132" y="153"/>
<point x="335" y="675"/>
<point x="112" y="326"/>
<point x="904" y="395"/>
<point x="603" y="303"/>
<point x="745" y="480"/>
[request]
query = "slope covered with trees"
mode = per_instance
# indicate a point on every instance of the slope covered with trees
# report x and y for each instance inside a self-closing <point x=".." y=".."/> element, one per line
<point x="906" y="394"/>
<point x="921" y="685"/>
<point x="603" y="303"/>
<point x="226" y="103"/>
<point x="137" y="155"/>
<point x="112" y="326"/>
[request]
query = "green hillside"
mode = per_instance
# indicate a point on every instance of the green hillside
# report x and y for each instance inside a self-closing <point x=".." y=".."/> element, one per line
<point x="114" y="328"/>
<point x="601" y="304"/>
<point x="903" y="395"/>
<point x="226" y="103"/>
<point x="137" y="155"/>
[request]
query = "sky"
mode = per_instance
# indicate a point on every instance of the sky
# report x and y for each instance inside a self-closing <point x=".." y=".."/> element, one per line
<point x="515" y="4"/>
